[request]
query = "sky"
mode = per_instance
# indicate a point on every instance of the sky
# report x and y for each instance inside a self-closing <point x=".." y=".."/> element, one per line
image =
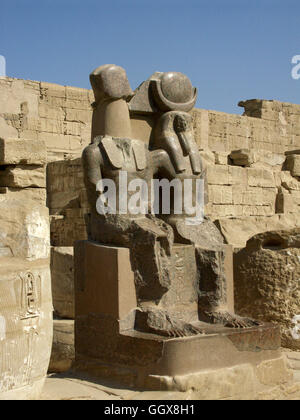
<point x="232" y="50"/>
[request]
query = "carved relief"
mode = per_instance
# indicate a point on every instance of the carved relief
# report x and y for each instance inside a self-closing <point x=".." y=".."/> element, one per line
<point x="31" y="295"/>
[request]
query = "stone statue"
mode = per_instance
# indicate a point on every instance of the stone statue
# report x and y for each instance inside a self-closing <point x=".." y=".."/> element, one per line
<point x="167" y="255"/>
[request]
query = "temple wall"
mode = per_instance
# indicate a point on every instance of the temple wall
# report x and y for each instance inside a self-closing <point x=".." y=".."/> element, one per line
<point x="253" y="183"/>
<point x="61" y="116"/>
<point x="256" y="184"/>
<point x="58" y="115"/>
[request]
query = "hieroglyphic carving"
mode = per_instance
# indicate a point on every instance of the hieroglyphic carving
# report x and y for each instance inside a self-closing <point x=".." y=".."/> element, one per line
<point x="31" y="295"/>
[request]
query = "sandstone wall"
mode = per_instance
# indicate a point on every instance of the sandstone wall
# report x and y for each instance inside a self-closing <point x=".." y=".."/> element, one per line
<point x="58" y="115"/>
<point x="249" y="175"/>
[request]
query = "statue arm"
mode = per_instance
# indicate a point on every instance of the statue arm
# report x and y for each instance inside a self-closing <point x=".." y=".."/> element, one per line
<point x="92" y="163"/>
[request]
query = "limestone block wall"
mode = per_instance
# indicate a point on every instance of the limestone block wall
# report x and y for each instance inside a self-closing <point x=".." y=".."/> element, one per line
<point x="67" y="202"/>
<point x="282" y="116"/>
<point x="259" y="187"/>
<point x="58" y="115"/>
<point x="250" y="177"/>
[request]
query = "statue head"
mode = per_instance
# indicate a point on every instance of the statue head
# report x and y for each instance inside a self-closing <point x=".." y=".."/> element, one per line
<point x="110" y="82"/>
<point x="182" y="122"/>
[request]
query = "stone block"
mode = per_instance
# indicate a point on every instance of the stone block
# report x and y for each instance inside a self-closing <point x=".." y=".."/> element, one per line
<point x="221" y="158"/>
<point x="55" y="141"/>
<point x="35" y="195"/>
<point x="238" y="176"/>
<point x="242" y="157"/>
<point x="285" y="203"/>
<point x="237" y="231"/>
<point x="266" y="282"/>
<point x="296" y="197"/>
<point x="65" y="231"/>
<point x="201" y="127"/>
<point x="16" y="151"/>
<point x="29" y="135"/>
<point x="214" y="194"/>
<point x="261" y="178"/>
<point x="292" y="164"/>
<point x="62" y="275"/>
<point x="72" y="128"/>
<point x="6" y="129"/>
<point x="76" y="104"/>
<point x="53" y="126"/>
<point x="77" y="94"/>
<point x="52" y="112"/>
<point x="52" y="89"/>
<point x="104" y="281"/>
<point x="24" y="228"/>
<point x="22" y="176"/>
<point x="63" y="346"/>
<point x="207" y="157"/>
<point x="215" y="269"/>
<point x="288" y="182"/>
<point x="77" y="115"/>
<point x="218" y="175"/>
<point x="76" y="145"/>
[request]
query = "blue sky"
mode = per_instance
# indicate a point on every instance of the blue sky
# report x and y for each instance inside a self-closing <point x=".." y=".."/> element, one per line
<point x="231" y="49"/>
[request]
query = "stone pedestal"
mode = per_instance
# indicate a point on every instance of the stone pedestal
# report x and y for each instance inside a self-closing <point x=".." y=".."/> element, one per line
<point x="223" y="362"/>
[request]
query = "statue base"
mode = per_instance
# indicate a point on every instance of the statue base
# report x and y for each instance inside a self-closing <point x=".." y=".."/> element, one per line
<point x="220" y="363"/>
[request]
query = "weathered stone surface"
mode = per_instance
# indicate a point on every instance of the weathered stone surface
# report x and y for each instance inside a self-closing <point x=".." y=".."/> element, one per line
<point x="65" y="185"/>
<point x="81" y="387"/>
<point x="22" y="176"/>
<point x="292" y="164"/>
<point x="114" y="287"/>
<point x="110" y="81"/>
<point x="25" y="327"/>
<point x="237" y="231"/>
<point x="24" y="228"/>
<point x="63" y="346"/>
<point x="215" y="268"/>
<point x="142" y="101"/>
<point x="36" y="195"/>
<point x="267" y="282"/>
<point x="285" y="203"/>
<point x="205" y="235"/>
<point x="17" y="151"/>
<point x="65" y="231"/>
<point x="243" y="157"/>
<point x="173" y="91"/>
<point x="293" y="360"/>
<point x="62" y="276"/>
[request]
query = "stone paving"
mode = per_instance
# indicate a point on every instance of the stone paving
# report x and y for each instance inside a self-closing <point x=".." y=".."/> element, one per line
<point x="70" y="386"/>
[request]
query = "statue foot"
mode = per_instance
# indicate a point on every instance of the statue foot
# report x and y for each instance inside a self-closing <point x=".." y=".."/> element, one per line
<point x="230" y="320"/>
<point x="161" y="323"/>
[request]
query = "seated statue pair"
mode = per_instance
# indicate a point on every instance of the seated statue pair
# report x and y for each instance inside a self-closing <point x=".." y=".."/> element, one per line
<point x="165" y="246"/>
